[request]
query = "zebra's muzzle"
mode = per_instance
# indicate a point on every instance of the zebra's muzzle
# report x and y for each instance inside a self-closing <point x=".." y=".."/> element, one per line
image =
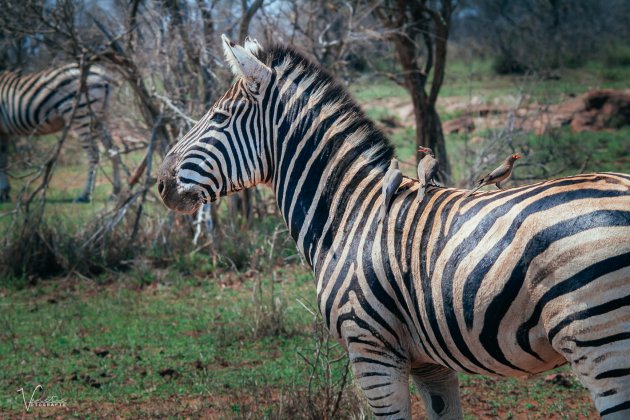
<point x="174" y="197"/>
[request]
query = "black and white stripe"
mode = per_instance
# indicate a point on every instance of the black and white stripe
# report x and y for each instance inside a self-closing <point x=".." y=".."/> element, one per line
<point x="42" y="103"/>
<point x="506" y="283"/>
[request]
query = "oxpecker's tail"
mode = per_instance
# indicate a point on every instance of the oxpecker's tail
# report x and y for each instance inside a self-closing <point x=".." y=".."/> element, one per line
<point x="473" y="190"/>
<point x="421" y="192"/>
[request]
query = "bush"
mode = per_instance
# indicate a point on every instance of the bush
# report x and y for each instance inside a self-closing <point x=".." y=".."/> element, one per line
<point x="36" y="247"/>
<point x="505" y="65"/>
<point x="617" y="55"/>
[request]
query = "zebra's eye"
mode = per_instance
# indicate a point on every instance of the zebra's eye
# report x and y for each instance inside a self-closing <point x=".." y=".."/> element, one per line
<point x="219" y="117"/>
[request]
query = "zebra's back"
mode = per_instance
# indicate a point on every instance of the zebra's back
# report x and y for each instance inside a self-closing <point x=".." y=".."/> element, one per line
<point x="41" y="103"/>
<point x="489" y="283"/>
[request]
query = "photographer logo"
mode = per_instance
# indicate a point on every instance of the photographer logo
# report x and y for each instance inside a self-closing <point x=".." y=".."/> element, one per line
<point x="51" y="401"/>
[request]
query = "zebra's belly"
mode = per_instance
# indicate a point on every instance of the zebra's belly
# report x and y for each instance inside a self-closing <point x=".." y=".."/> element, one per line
<point x="53" y="125"/>
<point x="50" y="127"/>
<point x="486" y="350"/>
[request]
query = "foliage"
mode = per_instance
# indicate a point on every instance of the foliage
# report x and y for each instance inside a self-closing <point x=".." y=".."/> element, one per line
<point x="617" y="55"/>
<point x="34" y="247"/>
<point x="539" y="35"/>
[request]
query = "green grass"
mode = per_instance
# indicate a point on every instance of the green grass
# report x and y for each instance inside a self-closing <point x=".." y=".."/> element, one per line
<point x="138" y="343"/>
<point x="595" y="150"/>
<point x="475" y="78"/>
<point x="67" y="182"/>
<point x="374" y="88"/>
<point x="526" y="398"/>
<point x="404" y="140"/>
<point x="88" y="343"/>
<point x="379" y="113"/>
<point x="559" y="152"/>
<point x="574" y="152"/>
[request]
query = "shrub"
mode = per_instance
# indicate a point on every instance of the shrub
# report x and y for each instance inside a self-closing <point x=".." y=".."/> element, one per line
<point x="617" y="55"/>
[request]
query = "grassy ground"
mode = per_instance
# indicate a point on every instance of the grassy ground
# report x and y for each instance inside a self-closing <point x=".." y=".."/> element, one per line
<point x="194" y="337"/>
<point x="202" y="346"/>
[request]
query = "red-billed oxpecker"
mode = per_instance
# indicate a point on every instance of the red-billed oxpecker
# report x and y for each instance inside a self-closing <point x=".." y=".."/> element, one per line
<point x="499" y="175"/>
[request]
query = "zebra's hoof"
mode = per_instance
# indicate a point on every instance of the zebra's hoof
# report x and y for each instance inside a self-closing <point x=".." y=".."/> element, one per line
<point x="82" y="199"/>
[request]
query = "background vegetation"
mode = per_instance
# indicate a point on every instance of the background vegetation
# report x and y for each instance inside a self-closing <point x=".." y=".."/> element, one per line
<point x="114" y="307"/>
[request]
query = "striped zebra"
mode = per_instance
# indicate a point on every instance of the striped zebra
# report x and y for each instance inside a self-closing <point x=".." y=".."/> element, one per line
<point x="41" y="103"/>
<point x="505" y="283"/>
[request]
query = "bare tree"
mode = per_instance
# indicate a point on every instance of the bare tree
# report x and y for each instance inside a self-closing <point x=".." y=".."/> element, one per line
<point x="247" y="13"/>
<point x="419" y="32"/>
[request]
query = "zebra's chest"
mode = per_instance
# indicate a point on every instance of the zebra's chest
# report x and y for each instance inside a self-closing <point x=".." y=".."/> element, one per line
<point x="358" y="290"/>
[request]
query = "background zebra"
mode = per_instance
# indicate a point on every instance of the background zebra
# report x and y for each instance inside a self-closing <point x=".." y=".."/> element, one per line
<point x="507" y="283"/>
<point x="41" y="103"/>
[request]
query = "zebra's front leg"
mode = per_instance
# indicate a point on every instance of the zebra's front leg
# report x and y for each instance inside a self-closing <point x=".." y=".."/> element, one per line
<point x="384" y="380"/>
<point x="5" y="187"/>
<point x="439" y="389"/>
<point x="91" y="148"/>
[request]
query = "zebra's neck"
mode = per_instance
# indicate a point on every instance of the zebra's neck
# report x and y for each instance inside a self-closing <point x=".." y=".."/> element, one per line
<point x="325" y="150"/>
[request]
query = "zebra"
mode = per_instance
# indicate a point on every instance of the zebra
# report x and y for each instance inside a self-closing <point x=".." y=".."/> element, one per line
<point x="505" y="283"/>
<point x="42" y="103"/>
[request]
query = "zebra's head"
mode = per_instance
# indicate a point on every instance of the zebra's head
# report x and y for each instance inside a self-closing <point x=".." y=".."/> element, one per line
<point x="225" y="151"/>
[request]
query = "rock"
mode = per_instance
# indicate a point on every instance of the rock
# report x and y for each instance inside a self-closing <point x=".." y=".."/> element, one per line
<point x="602" y="109"/>
<point x="459" y="125"/>
<point x="595" y="110"/>
<point x="560" y="379"/>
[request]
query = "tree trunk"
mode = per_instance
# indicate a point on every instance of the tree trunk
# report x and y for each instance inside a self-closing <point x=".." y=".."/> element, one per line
<point x="437" y="143"/>
<point x="246" y="18"/>
<point x="428" y="125"/>
<point x="411" y="24"/>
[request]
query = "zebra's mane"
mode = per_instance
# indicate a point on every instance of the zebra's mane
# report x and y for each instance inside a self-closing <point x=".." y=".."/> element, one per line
<point x="376" y="148"/>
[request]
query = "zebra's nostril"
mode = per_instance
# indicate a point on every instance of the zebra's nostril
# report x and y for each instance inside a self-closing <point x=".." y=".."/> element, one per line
<point x="161" y="186"/>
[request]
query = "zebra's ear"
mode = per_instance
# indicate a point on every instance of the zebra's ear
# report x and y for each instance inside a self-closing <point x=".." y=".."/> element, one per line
<point x="252" y="45"/>
<point x="244" y="64"/>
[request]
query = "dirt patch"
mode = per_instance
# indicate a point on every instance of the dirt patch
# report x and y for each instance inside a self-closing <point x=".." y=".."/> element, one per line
<point x="599" y="109"/>
<point x="485" y="399"/>
<point x="463" y="124"/>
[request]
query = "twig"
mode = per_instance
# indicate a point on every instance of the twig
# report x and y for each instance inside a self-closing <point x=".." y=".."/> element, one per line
<point x="175" y="109"/>
<point x="147" y="182"/>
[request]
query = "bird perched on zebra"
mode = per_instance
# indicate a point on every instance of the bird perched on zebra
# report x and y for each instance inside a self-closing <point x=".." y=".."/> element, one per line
<point x="510" y="284"/>
<point x="427" y="170"/>
<point x="499" y="175"/>
<point x="35" y="104"/>
<point x="391" y="182"/>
